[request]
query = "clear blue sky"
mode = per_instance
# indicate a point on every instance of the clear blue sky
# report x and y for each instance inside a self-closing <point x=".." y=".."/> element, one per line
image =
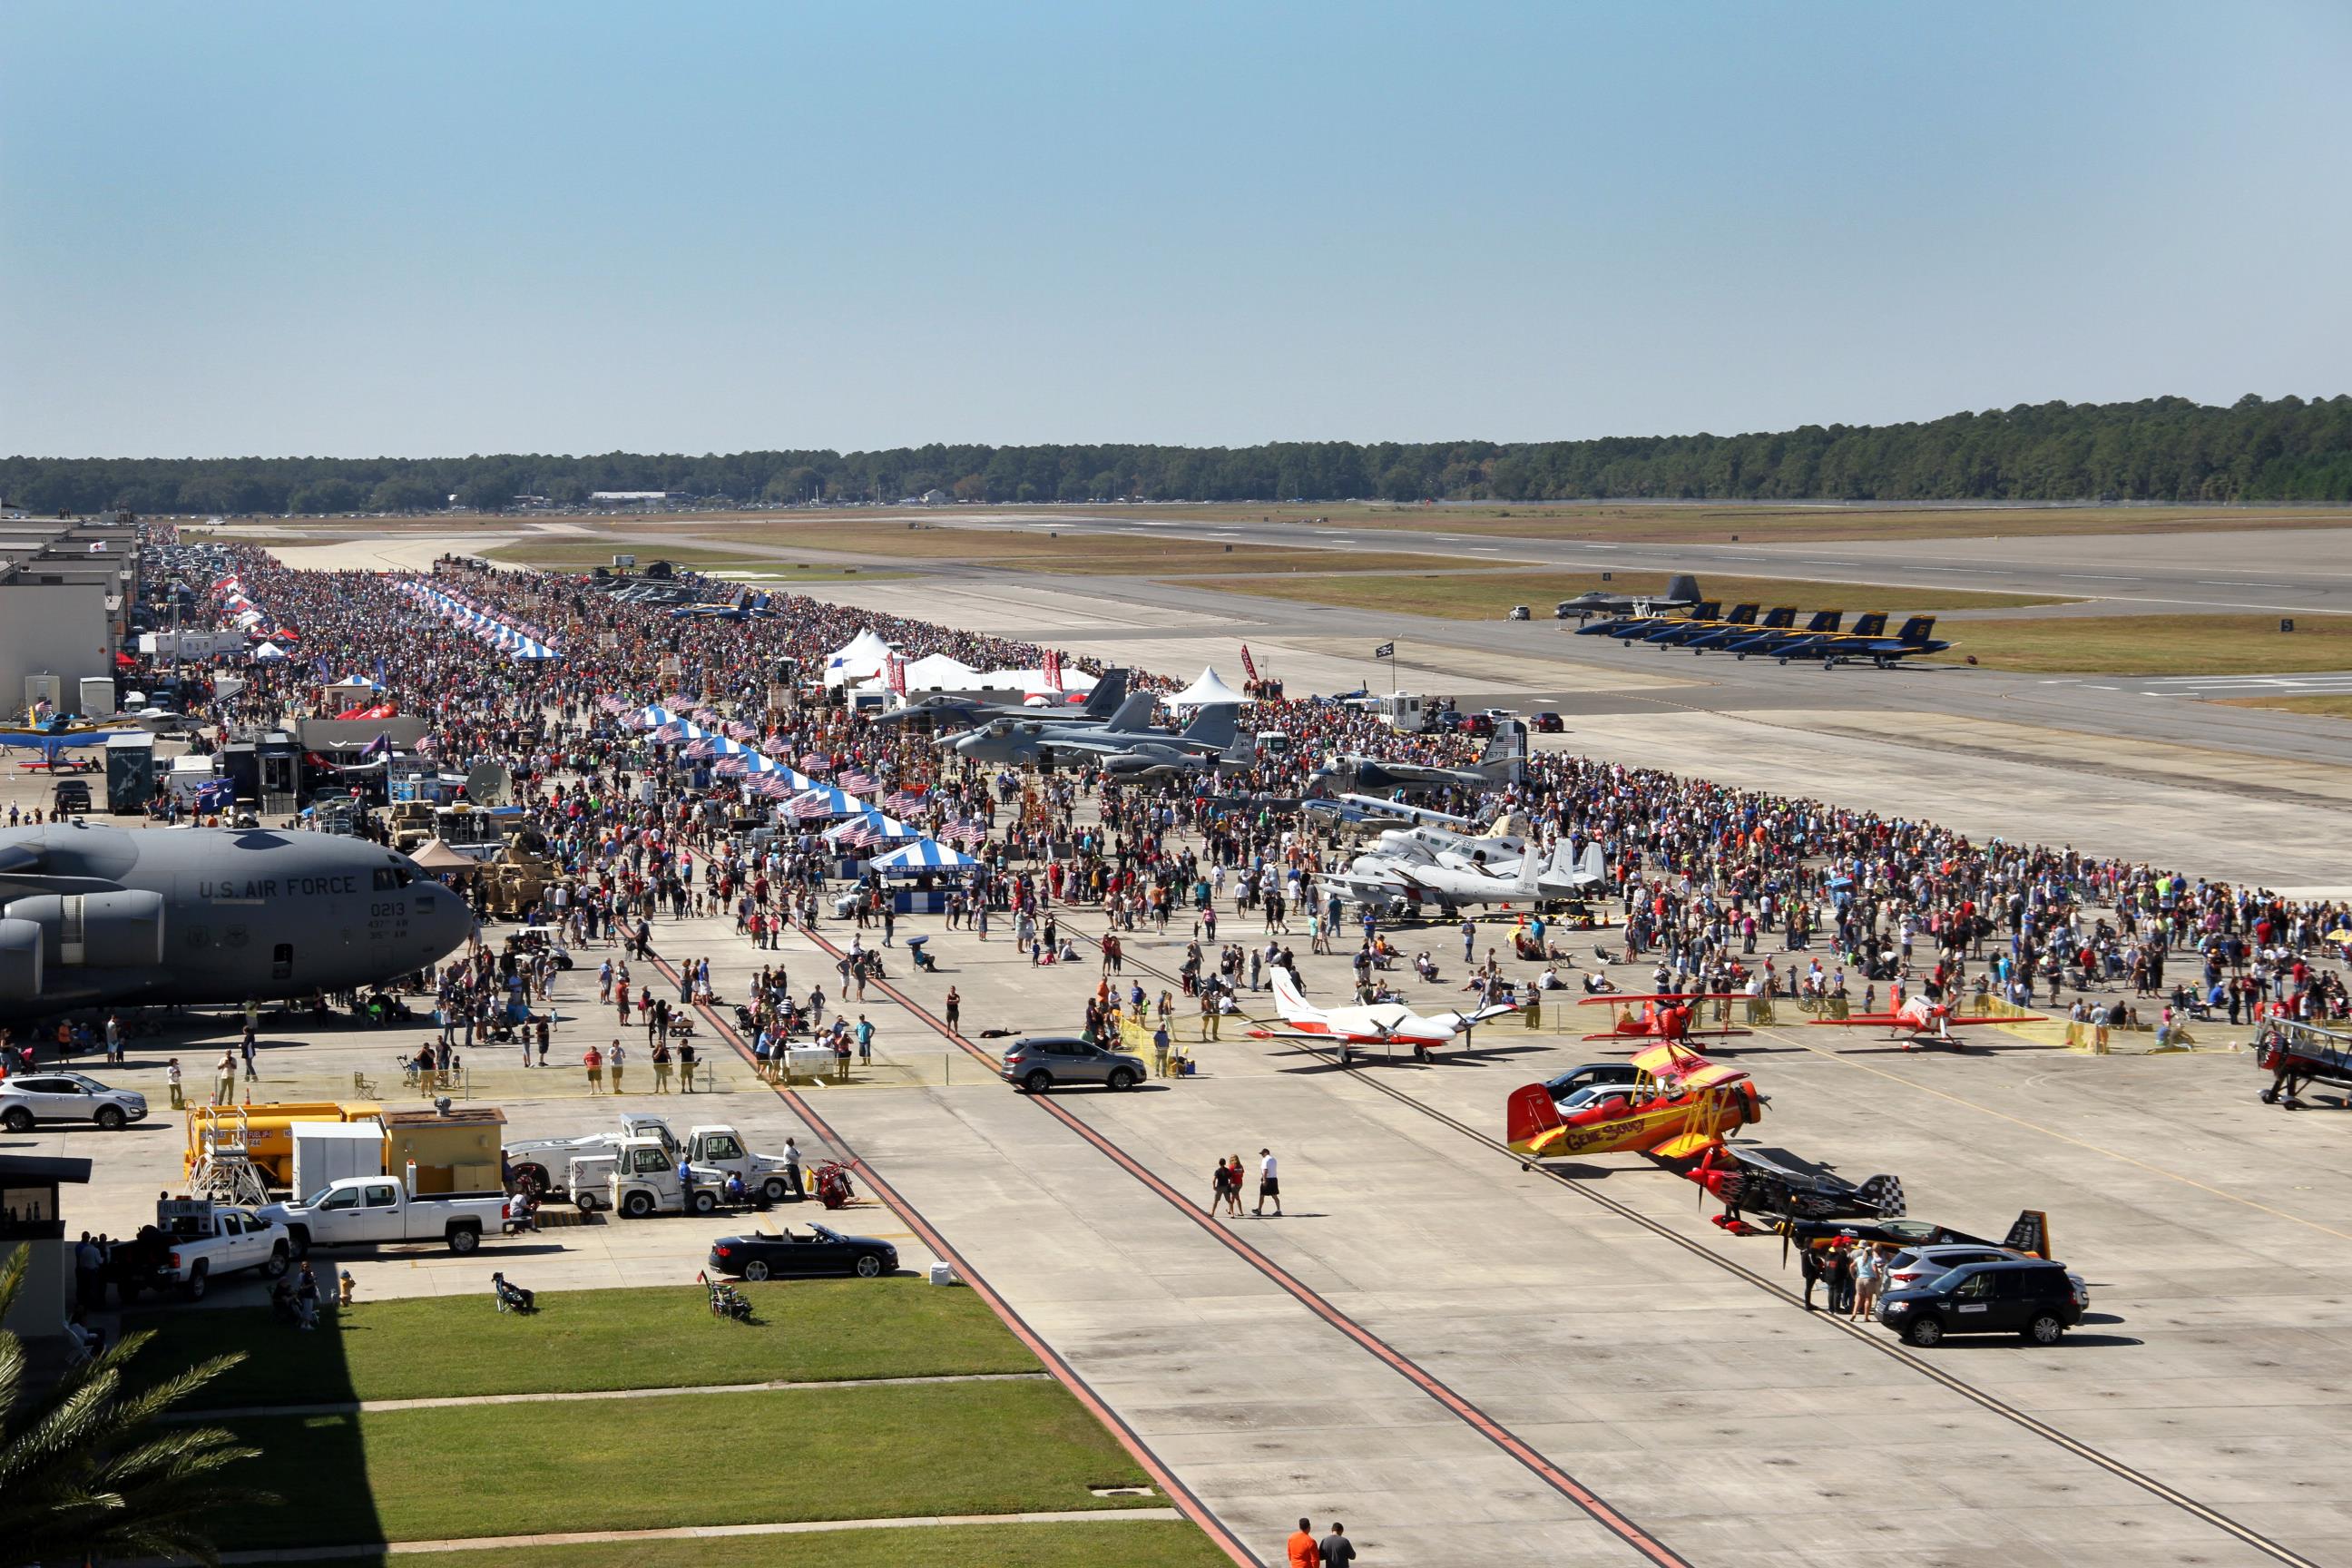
<point x="441" y="229"/>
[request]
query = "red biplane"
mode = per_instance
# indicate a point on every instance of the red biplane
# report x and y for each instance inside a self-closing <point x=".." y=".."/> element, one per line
<point x="1665" y="1015"/>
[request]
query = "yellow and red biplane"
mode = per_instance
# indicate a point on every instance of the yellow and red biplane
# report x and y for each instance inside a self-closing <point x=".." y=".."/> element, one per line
<point x="1679" y="1104"/>
<point x="1665" y="1015"/>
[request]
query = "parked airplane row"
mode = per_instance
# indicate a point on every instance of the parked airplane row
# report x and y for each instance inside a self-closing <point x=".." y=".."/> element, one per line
<point x="1679" y="619"/>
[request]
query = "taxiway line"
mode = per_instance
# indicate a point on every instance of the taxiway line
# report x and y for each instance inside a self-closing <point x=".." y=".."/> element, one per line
<point x="1594" y="1506"/>
<point x="1063" y="1372"/>
<point x="1894" y="1350"/>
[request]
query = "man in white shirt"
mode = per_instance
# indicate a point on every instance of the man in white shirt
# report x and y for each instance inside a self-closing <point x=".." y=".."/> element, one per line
<point x="1269" y="1186"/>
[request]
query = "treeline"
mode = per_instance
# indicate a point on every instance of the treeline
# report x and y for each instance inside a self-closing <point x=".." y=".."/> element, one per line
<point x="2163" y="450"/>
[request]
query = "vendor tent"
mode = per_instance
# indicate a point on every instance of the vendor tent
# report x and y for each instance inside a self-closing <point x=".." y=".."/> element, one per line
<point x="923" y="855"/>
<point x="268" y="652"/>
<point x="436" y="856"/>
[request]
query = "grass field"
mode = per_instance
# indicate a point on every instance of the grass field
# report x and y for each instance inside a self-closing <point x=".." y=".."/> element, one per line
<point x="1488" y="596"/>
<point x="1150" y="1544"/>
<point x="425" y="1347"/>
<point x="2325" y="707"/>
<point x="660" y="1463"/>
<point x="2158" y="645"/>
<point x="1038" y="549"/>
<point x="558" y="554"/>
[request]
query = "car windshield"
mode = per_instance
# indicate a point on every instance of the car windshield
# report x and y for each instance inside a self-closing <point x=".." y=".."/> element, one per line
<point x="824" y="1233"/>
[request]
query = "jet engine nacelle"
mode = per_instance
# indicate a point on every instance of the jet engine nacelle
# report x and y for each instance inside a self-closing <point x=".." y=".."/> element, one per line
<point x="95" y="931"/>
<point x="20" y="960"/>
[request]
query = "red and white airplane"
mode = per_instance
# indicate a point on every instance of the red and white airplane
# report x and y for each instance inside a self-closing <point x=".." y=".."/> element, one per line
<point x="1918" y="1021"/>
<point x="1387" y="1025"/>
<point x="1664" y="1015"/>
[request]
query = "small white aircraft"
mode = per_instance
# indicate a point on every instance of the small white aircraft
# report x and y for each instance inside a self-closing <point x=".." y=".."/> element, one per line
<point x="1431" y="880"/>
<point x="1386" y="1023"/>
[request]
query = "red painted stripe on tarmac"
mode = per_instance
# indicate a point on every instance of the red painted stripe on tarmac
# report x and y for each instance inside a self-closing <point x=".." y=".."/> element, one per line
<point x="1596" y="1506"/>
<point x="1063" y="1372"/>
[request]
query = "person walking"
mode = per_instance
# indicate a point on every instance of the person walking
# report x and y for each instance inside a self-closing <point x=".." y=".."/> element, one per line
<point x="173" y="1081"/>
<point x="543" y="1042"/>
<point x="1338" y="1549"/>
<point x="1220" y="1177"/>
<point x="1301" y="1551"/>
<point x="955" y="1011"/>
<point x="594" y="1062"/>
<point x="248" y="1046"/>
<point x="113" y="1038"/>
<point x="1269" y="1183"/>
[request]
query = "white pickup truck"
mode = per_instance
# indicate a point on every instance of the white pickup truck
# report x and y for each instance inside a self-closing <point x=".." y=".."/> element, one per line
<point x="645" y="1183"/>
<point x="206" y="1241"/>
<point x="578" y="1166"/>
<point x="363" y="1210"/>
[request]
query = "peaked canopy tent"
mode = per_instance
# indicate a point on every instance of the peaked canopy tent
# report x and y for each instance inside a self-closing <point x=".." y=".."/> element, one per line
<point x="1206" y="692"/>
<point x="922" y="856"/>
<point x="269" y="653"/>
<point x="861" y="656"/>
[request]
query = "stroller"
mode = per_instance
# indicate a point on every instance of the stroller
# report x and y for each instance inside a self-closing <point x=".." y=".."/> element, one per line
<point x="833" y="1188"/>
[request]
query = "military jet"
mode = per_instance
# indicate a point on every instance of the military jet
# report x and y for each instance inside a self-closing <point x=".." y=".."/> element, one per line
<point x="1019" y="740"/>
<point x="1159" y="763"/>
<point x="1368" y="813"/>
<point x="1383" y="883"/>
<point x="942" y="710"/>
<point x="1635" y="628"/>
<point x="1782" y="619"/>
<point x="744" y="606"/>
<point x="1504" y="763"/>
<point x="1823" y="624"/>
<point x="1739" y="618"/>
<point x="1681" y="593"/>
<point x="1868" y="644"/>
<point x="97" y="916"/>
<point x="1213" y="740"/>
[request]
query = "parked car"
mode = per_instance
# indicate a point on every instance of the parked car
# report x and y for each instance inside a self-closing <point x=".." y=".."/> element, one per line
<point x="206" y="1240"/>
<point x="71" y="795"/>
<point x="1518" y="612"/>
<point x="787" y="1255"/>
<point x="1917" y="1266"/>
<point x="35" y="1097"/>
<point x="1476" y="724"/>
<point x="2023" y="1296"/>
<point x="1546" y="723"/>
<point x="1041" y="1061"/>
<point x="362" y="1211"/>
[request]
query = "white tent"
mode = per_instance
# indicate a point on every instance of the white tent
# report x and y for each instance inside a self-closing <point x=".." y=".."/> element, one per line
<point x="267" y="652"/>
<point x="942" y="671"/>
<point x="1206" y="692"/>
<point x="861" y="656"/>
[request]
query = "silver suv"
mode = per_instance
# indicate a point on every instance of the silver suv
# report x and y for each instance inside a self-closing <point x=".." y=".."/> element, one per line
<point x="1041" y="1061"/>
<point x="56" y="1095"/>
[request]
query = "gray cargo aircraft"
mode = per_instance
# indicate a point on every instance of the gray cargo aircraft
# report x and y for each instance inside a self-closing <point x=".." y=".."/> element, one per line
<point x="99" y="916"/>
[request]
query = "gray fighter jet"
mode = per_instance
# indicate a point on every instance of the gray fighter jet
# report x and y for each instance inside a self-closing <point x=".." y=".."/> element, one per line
<point x="1213" y="729"/>
<point x="1505" y="763"/>
<point x="1681" y="593"/>
<point x="941" y="710"/>
<point x="97" y="916"/>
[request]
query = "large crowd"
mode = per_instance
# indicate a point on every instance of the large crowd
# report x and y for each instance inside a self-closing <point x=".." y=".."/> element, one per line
<point x="1718" y="888"/>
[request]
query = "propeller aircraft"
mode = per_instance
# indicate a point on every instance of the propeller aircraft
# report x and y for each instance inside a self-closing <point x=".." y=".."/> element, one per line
<point x="1679" y="1104"/>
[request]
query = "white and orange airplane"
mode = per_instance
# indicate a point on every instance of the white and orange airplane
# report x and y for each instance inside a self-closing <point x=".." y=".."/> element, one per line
<point x="1387" y="1025"/>
<point x="1679" y="1104"/>
<point x="1665" y="1015"/>
<point x="1917" y="1020"/>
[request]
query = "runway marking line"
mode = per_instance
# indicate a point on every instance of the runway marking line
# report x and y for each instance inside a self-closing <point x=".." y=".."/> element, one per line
<point x="1880" y="1342"/>
<point x="1063" y="1372"/>
<point x="1591" y="1503"/>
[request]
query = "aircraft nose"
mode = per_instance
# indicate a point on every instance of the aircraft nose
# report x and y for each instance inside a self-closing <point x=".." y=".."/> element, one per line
<point x="445" y="928"/>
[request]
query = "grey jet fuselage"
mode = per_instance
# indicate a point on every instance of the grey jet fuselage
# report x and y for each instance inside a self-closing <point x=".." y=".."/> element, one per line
<point x="100" y="916"/>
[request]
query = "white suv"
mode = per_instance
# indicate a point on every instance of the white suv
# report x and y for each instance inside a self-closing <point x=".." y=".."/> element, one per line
<point x="35" y="1097"/>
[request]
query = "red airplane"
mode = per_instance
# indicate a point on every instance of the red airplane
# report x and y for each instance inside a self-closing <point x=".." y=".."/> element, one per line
<point x="1919" y="1021"/>
<point x="1664" y="1015"/>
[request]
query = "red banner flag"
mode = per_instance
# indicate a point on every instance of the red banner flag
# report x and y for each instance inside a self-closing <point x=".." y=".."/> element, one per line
<point x="1249" y="666"/>
<point x="1053" y="669"/>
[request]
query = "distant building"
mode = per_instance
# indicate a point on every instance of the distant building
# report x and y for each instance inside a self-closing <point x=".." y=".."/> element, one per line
<point x="935" y="497"/>
<point x="626" y="498"/>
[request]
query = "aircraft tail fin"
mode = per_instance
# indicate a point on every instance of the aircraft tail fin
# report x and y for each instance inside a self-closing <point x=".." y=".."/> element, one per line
<point x="1133" y="713"/>
<point x="1108" y="694"/>
<point x="1506" y="757"/>
<point x="1826" y="620"/>
<point x="1593" y="866"/>
<point x="1871" y="624"/>
<point x="1779" y="619"/>
<point x="1884" y="1194"/>
<point x="1242" y="753"/>
<point x="1287" y="1001"/>
<point x="1918" y="629"/>
<point x="1742" y="614"/>
<point x="2031" y="1234"/>
<point x="1531" y="1121"/>
<point x="1216" y="726"/>
<point x="1685" y="588"/>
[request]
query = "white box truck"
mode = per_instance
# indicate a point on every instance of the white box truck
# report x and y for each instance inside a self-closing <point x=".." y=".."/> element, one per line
<point x="328" y="1151"/>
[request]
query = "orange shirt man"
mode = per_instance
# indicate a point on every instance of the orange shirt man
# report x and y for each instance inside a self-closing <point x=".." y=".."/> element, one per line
<point x="1301" y="1549"/>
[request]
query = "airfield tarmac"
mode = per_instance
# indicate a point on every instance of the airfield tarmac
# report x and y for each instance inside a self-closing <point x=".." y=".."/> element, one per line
<point x="1475" y="1364"/>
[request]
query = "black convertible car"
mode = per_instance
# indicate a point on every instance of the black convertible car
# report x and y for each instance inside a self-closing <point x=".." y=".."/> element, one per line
<point x="797" y="1255"/>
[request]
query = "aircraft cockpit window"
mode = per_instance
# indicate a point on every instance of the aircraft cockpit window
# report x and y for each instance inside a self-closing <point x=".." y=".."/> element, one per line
<point x="386" y="878"/>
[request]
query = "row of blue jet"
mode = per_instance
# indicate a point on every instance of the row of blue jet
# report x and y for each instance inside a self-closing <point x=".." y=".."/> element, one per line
<point x="1705" y="629"/>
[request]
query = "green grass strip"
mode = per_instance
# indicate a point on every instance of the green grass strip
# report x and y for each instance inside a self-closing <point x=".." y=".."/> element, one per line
<point x="582" y="1341"/>
<point x="1151" y="1545"/>
<point x="682" y="1459"/>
